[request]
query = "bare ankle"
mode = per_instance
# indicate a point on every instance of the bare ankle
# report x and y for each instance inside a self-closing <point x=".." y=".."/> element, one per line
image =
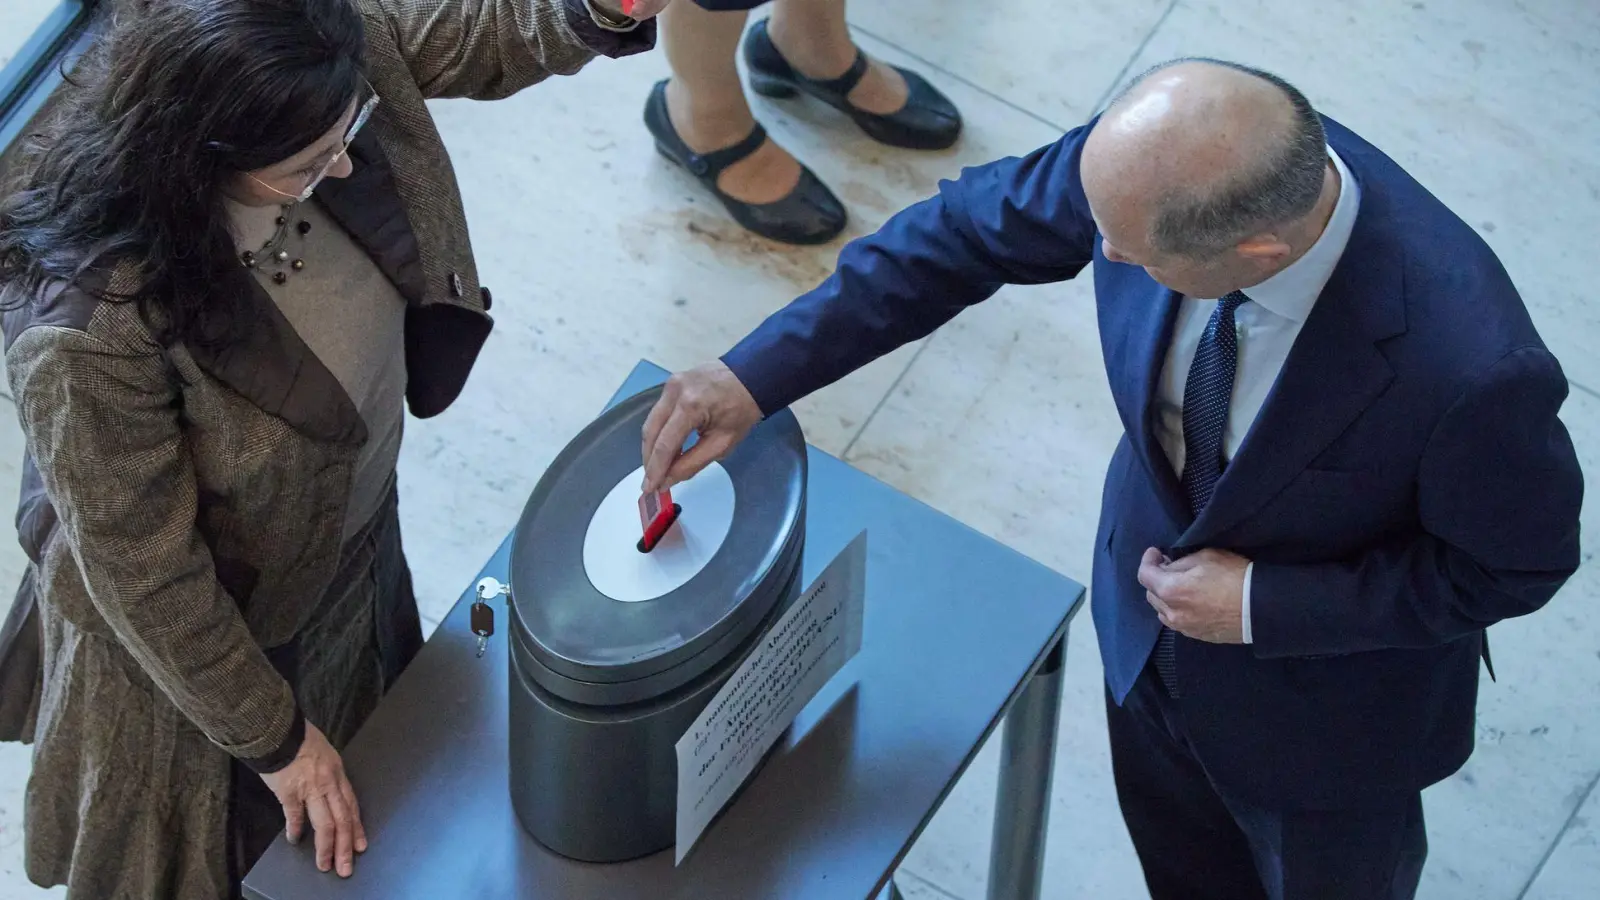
<point x="817" y="50"/>
<point x="706" y="126"/>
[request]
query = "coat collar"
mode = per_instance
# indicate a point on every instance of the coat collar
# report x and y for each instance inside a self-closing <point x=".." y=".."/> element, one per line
<point x="367" y="204"/>
<point x="1292" y="293"/>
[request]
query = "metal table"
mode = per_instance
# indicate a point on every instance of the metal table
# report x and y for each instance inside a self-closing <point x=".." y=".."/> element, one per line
<point x="959" y="632"/>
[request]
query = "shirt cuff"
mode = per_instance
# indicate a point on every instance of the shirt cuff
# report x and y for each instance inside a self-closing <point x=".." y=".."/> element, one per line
<point x="607" y="40"/>
<point x="1244" y="607"/>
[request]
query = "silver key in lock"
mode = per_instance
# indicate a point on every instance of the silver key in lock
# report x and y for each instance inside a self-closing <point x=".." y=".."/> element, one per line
<point x="481" y="616"/>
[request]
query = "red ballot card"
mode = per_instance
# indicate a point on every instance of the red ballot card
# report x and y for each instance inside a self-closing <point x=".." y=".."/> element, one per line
<point x="657" y="512"/>
<point x="627" y="7"/>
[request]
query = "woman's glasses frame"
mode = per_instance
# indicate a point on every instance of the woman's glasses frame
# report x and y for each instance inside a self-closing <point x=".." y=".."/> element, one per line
<point x="362" y="115"/>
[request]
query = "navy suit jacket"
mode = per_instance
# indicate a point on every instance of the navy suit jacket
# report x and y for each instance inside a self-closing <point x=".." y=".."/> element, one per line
<point x="1406" y="485"/>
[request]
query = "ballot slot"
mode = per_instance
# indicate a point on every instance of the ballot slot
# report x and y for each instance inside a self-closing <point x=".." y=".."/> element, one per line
<point x="679" y="545"/>
<point x="657" y="512"/>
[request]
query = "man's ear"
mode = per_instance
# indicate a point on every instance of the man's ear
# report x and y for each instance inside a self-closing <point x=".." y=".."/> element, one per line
<point x="1266" y="247"/>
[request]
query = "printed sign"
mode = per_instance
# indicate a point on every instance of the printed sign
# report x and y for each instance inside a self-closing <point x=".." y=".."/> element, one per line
<point x="805" y="648"/>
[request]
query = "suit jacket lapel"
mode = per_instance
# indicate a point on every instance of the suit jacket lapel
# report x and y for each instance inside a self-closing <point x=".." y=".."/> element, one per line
<point x="1136" y="327"/>
<point x="1334" y="372"/>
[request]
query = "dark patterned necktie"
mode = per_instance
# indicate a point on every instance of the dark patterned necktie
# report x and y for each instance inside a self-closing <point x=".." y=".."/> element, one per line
<point x="1205" y="420"/>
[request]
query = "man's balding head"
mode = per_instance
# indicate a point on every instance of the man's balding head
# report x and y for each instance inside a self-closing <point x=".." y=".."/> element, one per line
<point x="1197" y="156"/>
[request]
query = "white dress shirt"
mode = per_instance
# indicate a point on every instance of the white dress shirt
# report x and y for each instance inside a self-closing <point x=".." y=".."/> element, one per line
<point x="1267" y="326"/>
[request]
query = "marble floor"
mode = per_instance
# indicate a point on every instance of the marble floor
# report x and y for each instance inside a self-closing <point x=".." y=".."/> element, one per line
<point x="600" y="254"/>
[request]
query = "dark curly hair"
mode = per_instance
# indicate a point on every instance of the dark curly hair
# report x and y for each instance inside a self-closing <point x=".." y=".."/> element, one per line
<point x="174" y="100"/>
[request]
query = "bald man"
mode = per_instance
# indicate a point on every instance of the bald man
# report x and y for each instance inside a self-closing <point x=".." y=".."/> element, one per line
<point x="1342" y="461"/>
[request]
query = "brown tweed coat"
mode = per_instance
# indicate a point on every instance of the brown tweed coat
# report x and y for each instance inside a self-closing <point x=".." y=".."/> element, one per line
<point x="182" y="509"/>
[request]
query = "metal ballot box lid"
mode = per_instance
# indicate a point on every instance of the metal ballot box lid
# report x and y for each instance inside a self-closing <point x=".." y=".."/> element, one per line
<point x="596" y="621"/>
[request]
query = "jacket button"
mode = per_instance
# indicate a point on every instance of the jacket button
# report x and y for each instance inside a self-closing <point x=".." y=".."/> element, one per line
<point x="455" y="285"/>
<point x="488" y="298"/>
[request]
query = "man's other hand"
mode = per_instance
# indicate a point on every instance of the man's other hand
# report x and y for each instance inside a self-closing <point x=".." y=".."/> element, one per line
<point x="1200" y="596"/>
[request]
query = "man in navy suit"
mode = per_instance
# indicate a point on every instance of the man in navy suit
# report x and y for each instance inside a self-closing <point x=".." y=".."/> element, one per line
<point x="1341" y="463"/>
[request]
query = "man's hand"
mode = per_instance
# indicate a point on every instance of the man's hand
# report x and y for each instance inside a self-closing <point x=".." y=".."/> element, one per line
<point x="315" y="784"/>
<point x="710" y="400"/>
<point x="1200" y="596"/>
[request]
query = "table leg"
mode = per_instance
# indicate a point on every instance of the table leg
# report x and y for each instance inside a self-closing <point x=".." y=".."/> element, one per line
<point x="1027" y="767"/>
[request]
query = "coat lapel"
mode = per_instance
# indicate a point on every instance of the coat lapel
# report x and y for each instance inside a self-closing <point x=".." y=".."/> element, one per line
<point x="367" y="205"/>
<point x="1334" y="372"/>
<point x="268" y="364"/>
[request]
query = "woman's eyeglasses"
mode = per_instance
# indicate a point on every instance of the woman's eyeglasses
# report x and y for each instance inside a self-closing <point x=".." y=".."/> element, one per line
<point x="315" y="178"/>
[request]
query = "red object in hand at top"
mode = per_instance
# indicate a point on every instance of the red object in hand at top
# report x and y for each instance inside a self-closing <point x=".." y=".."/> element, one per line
<point x="657" y="512"/>
<point x="627" y="7"/>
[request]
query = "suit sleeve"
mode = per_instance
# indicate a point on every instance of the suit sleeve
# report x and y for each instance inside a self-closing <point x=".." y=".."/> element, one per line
<point x="103" y="429"/>
<point x="490" y="49"/>
<point x="1015" y="221"/>
<point x="1499" y="491"/>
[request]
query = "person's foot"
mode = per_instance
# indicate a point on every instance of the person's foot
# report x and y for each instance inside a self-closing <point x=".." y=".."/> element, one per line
<point x="765" y="176"/>
<point x="763" y="188"/>
<point x="892" y="105"/>
<point x="881" y="90"/>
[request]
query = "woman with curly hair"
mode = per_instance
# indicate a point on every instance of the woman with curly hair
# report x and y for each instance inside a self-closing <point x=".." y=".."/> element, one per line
<point x="238" y="255"/>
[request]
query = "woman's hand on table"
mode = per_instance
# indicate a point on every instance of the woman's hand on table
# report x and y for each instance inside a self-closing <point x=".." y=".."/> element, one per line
<point x="315" y="786"/>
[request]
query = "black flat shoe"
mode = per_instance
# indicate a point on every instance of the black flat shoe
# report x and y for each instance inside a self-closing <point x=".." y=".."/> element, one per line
<point x="928" y="121"/>
<point x="810" y="214"/>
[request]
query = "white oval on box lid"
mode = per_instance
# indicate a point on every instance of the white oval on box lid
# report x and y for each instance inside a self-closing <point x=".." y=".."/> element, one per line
<point x="611" y="556"/>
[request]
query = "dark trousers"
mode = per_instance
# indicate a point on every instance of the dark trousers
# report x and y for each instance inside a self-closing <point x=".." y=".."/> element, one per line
<point x="1196" y="842"/>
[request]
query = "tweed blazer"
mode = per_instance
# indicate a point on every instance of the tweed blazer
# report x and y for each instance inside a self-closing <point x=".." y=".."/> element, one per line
<point x="185" y="505"/>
